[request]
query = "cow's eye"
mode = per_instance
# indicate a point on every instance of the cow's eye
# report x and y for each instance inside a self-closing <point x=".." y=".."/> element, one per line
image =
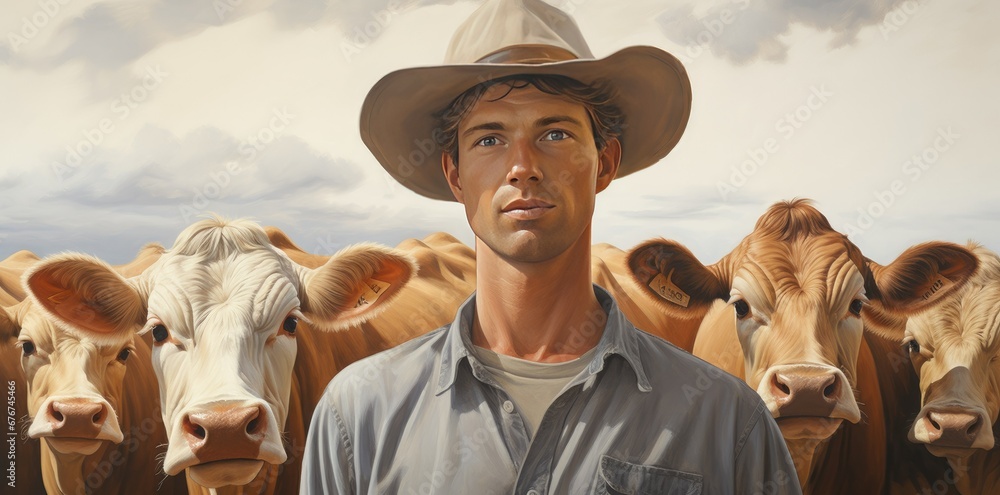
<point x="856" y="306"/>
<point x="27" y="347"/>
<point x="160" y="333"/>
<point x="913" y="346"/>
<point x="742" y="309"/>
<point x="289" y="324"/>
<point x="124" y="354"/>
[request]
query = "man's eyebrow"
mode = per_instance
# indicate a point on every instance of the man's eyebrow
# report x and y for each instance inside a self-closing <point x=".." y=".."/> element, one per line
<point x="555" y="119"/>
<point x="487" y="126"/>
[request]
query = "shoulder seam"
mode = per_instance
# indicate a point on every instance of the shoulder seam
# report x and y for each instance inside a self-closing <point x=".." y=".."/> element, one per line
<point x="345" y="441"/>
<point x="751" y="424"/>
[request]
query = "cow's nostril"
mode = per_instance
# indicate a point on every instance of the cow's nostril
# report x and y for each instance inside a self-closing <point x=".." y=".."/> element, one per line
<point x="830" y="390"/>
<point x="252" y="426"/>
<point x="194" y="429"/>
<point x="973" y="427"/>
<point x="58" y="416"/>
<point x="780" y="385"/>
<point x="934" y="423"/>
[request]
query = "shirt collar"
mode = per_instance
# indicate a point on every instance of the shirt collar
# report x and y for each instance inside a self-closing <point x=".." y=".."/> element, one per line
<point x="618" y="337"/>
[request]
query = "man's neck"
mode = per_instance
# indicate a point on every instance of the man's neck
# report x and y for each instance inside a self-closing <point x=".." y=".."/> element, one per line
<point x="545" y="312"/>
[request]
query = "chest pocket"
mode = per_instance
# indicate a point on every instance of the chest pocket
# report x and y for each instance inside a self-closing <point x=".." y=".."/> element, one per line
<point x="620" y="477"/>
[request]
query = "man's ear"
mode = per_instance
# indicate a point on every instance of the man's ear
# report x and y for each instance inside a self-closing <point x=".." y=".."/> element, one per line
<point x="87" y="296"/>
<point x="450" y="169"/>
<point x="607" y="165"/>
<point x="921" y="277"/>
<point x="681" y="285"/>
<point x="354" y="285"/>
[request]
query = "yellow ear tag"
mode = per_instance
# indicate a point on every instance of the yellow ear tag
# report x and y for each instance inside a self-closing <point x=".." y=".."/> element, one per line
<point x="667" y="290"/>
<point x="374" y="290"/>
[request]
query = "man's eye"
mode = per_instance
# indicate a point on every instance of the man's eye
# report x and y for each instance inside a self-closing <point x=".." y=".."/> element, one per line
<point x="555" y="136"/>
<point x="487" y="141"/>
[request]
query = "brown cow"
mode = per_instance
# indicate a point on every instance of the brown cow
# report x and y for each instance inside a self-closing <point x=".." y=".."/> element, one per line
<point x="955" y="350"/>
<point x="27" y="474"/>
<point x="226" y="373"/>
<point x="95" y="437"/>
<point x="783" y="312"/>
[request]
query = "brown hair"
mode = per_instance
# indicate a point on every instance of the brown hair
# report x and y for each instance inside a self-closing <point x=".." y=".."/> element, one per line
<point x="606" y="119"/>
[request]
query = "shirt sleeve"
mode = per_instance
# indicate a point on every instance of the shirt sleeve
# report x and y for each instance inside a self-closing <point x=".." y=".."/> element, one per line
<point x="328" y="460"/>
<point x="763" y="464"/>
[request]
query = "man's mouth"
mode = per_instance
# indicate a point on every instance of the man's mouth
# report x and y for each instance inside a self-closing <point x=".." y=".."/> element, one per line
<point x="526" y="209"/>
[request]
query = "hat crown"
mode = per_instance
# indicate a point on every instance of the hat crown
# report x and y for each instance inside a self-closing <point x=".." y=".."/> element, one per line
<point x="500" y="25"/>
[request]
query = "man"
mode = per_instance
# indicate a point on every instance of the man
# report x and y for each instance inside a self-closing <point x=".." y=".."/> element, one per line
<point x="540" y="385"/>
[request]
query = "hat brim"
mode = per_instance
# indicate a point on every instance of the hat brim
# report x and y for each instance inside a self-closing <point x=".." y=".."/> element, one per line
<point x="399" y="127"/>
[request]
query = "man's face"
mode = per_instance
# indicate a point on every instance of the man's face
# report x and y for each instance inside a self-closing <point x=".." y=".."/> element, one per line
<point x="528" y="172"/>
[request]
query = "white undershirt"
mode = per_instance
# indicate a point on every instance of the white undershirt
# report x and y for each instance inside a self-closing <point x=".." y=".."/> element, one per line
<point x="532" y="386"/>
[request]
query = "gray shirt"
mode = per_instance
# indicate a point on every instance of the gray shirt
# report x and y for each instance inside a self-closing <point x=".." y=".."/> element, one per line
<point x="643" y="417"/>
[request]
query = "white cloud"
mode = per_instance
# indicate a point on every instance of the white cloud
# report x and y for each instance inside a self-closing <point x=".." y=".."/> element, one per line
<point x="228" y="77"/>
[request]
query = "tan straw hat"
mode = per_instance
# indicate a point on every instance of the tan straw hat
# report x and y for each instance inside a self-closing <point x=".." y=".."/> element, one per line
<point x="509" y="37"/>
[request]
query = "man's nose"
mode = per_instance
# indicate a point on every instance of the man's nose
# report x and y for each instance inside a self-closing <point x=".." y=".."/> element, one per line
<point x="523" y="165"/>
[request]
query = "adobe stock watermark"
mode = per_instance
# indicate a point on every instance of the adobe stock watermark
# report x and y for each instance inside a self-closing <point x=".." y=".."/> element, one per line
<point x="706" y="379"/>
<point x="220" y="180"/>
<point x="786" y="127"/>
<point x="713" y="28"/>
<point x="569" y="6"/>
<point x="134" y="438"/>
<point x="958" y="469"/>
<point x="121" y="107"/>
<point x="33" y="24"/>
<point x="897" y="17"/>
<point x="224" y="7"/>
<point x="11" y="434"/>
<point x="464" y="448"/>
<point x="914" y="168"/>
<point x="365" y="34"/>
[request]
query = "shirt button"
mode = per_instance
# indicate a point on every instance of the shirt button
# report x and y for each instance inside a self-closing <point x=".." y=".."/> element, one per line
<point x="508" y="406"/>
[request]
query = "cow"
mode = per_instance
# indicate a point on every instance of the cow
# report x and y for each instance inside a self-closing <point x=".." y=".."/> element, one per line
<point x="237" y="358"/>
<point x="94" y="436"/>
<point x="955" y="350"/>
<point x="783" y="311"/>
<point x="27" y="472"/>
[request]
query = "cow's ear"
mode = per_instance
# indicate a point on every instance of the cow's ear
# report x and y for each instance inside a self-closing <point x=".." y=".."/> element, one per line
<point x="355" y="285"/>
<point x="87" y="297"/>
<point x="921" y="277"/>
<point x="9" y="329"/>
<point x="681" y="285"/>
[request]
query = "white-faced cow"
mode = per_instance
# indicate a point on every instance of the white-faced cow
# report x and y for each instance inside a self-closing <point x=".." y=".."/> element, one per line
<point x="784" y="312"/>
<point x="955" y="350"/>
<point x="230" y="314"/>
<point x="90" y="403"/>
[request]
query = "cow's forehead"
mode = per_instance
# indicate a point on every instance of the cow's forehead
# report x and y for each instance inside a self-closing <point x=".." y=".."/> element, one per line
<point x="48" y="335"/>
<point x="248" y="286"/>
<point x="971" y="317"/>
<point x="820" y="265"/>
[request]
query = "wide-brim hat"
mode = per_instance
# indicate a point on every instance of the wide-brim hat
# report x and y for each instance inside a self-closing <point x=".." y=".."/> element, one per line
<point x="511" y="37"/>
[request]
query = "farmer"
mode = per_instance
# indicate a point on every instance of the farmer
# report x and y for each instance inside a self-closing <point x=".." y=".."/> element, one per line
<point x="540" y="385"/>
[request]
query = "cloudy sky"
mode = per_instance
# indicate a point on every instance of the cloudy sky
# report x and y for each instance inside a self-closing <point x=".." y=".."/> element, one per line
<point x="123" y="121"/>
